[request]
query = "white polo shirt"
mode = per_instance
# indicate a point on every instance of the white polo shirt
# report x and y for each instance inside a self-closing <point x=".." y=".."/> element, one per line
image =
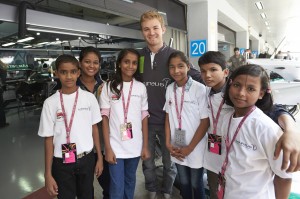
<point x="212" y="161"/>
<point x="138" y="103"/>
<point x="251" y="167"/>
<point x="194" y="109"/>
<point x="52" y="122"/>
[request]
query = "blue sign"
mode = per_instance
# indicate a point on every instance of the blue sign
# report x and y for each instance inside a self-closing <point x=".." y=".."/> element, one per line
<point x="242" y="50"/>
<point x="197" y="48"/>
<point x="255" y="52"/>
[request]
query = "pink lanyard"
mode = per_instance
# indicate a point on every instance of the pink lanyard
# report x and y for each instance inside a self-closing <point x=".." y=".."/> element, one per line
<point x="228" y="145"/>
<point x="125" y="108"/>
<point x="68" y="128"/>
<point x="215" y="120"/>
<point x="181" y="104"/>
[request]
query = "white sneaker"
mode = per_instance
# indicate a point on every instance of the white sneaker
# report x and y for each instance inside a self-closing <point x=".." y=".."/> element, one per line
<point x="152" y="195"/>
<point x="167" y="196"/>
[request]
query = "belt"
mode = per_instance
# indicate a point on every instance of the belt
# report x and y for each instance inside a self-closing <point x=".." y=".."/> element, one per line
<point x="81" y="155"/>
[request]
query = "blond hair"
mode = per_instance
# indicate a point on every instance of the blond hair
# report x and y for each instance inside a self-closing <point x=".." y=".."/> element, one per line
<point x="152" y="14"/>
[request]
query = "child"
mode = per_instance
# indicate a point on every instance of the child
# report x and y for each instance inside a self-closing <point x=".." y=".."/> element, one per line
<point x="249" y="135"/>
<point x="214" y="73"/>
<point x="89" y="80"/>
<point x="125" y="124"/>
<point x="69" y="124"/>
<point x="186" y="124"/>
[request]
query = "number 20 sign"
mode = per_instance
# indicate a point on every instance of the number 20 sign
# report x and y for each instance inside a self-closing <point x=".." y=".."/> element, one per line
<point x="198" y="48"/>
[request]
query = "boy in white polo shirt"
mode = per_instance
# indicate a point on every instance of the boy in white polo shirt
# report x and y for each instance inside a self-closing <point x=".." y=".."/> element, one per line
<point x="69" y="124"/>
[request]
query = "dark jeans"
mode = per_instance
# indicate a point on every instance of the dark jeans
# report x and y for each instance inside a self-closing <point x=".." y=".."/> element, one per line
<point x="75" y="179"/>
<point x="104" y="179"/>
<point x="191" y="182"/>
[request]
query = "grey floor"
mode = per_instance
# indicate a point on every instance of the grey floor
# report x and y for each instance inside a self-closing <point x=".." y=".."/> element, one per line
<point x="22" y="158"/>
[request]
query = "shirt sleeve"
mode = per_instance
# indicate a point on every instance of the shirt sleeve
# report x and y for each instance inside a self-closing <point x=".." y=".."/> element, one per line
<point x="268" y="140"/>
<point x="202" y="102"/>
<point x="47" y="121"/>
<point x="104" y="97"/>
<point x="95" y="110"/>
<point x="278" y="110"/>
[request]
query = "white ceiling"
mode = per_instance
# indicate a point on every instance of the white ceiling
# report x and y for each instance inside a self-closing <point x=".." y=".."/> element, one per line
<point x="283" y="17"/>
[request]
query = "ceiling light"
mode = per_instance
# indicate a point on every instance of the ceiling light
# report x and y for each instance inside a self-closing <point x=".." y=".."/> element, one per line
<point x="29" y="46"/>
<point x="267" y="23"/>
<point x="263" y="15"/>
<point x="57" y="39"/>
<point x="42" y="43"/>
<point x="128" y="1"/>
<point x="66" y="32"/>
<point x="259" y="5"/>
<point x="25" y="39"/>
<point x="8" y="44"/>
<point x="38" y="33"/>
<point x="162" y="13"/>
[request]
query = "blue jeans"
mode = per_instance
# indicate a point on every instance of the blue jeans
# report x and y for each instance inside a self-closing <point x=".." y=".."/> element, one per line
<point x="123" y="178"/>
<point x="191" y="182"/>
<point x="149" y="167"/>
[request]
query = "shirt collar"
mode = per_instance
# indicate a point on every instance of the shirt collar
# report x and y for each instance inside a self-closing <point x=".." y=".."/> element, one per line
<point x="161" y="49"/>
<point x="212" y="91"/>
<point x="188" y="84"/>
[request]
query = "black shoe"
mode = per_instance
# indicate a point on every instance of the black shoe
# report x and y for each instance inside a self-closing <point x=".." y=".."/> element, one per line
<point x="5" y="125"/>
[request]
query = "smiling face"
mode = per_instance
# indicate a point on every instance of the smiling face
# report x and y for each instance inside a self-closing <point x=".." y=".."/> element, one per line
<point x="244" y="92"/>
<point x="128" y="66"/>
<point x="153" y="31"/>
<point x="90" y="64"/>
<point x="178" y="70"/>
<point x="68" y="74"/>
<point x="213" y="75"/>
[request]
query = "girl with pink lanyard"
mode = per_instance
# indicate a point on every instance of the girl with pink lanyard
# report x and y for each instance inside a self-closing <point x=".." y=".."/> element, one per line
<point x="249" y="169"/>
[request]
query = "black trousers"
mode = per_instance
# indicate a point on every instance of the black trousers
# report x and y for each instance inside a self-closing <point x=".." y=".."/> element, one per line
<point x="75" y="179"/>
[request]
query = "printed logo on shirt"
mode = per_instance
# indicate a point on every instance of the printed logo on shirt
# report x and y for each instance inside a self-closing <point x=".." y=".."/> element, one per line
<point x="164" y="83"/>
<point x="247" y="146"/>
<point x="59" y="115"/>
<point x="84" y="109"/>
<point x="190" y="102"/>
<point x="114" y="97"/>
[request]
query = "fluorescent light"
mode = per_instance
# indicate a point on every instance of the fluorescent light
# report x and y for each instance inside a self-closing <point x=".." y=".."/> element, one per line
<point x="162" y="13"/>
<point x="42" y="43"/>
<point x="267" y="23"/>
<point x="128" y="1"/>
<point x="8" y="44"/>
<point x="25" y="39"/>
<point x="27" y="46"/>
<point x="259" y="5"/>
<point x="263" y="15"/>
<point x="57" y="31"/>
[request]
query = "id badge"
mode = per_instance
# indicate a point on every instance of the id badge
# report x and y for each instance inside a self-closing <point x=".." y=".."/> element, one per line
<point x="221" y="187"/>
<point x="69" y="153"/>
<point x="126" y="131"/>
<point x="214" y="143"/>
<point x="180" y="137"/>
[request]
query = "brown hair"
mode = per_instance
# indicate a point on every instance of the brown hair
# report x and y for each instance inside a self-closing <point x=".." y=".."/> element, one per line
<point x="152" y="14"/>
